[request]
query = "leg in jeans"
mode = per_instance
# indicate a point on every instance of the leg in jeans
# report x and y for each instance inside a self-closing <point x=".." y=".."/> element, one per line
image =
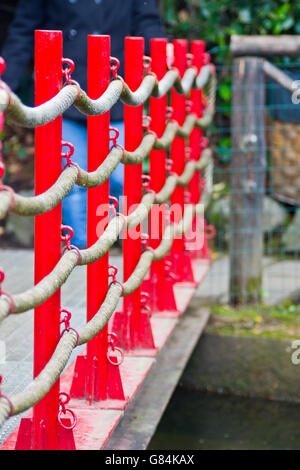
<point x="74" y="207"/>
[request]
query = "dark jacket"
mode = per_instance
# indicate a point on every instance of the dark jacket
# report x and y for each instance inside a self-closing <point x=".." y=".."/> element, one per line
<point x="77" y="19"/>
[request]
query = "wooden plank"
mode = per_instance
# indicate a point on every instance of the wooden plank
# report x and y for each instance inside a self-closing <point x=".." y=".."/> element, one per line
<point x="286" y="45"/>
<point x="248" y="173"/>
<point x="145" y="411"/>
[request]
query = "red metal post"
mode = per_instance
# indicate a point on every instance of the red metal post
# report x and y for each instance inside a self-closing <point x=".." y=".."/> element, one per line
<point x="95" y="378"/>
<point x="132" y="325"/>
<point x="194" y="188"/>
<point x="180" y="260"/>
<point x="48" y="81"/>
<point x="160" y="288"/>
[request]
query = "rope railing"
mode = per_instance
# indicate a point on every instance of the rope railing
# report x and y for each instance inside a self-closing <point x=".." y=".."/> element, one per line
<point x="72" y="94"/>
<point x="194" y="79"/>
<point x="9" y="201"/>
<point x="50" y="284"/>
<point x="71" y="339"/>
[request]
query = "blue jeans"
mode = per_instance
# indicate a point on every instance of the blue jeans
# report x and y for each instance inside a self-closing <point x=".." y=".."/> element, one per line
<point x="74" y="206"/>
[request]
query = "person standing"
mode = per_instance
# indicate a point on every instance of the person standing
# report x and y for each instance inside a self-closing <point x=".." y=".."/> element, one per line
<point x="77" y="19"/>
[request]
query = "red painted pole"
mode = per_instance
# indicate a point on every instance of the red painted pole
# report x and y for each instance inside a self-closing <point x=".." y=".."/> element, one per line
<point x="132" y="327"/>
<point x="194" y="188"/>
<point x="95" y="377"/>
<point x="197" y="50"/>
<point x="161" y="292"/>
<point x="97" y="273"/>
<point x="48" y="81"/>
<point x="181" y="262"/>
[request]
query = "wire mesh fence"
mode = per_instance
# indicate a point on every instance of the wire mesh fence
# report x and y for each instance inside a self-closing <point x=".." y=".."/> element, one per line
<point x="277" y="190"/>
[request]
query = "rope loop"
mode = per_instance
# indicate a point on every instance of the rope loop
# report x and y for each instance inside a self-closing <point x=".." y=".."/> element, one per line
<point x="67" y="155"/>
<point x="66" y="320"/>
<point x="113" y="352"/>
<point x="113" y="275"/>
<point x="189" y="105"/>
<point x="204" y="142"/>
<point x="114" y="67"/>
<point x="147" y="120"/>
<point x="187" y="197"/>
<point x="64" y="399"/>
<point x="206" y="58"/>
<point x="169" y="113"/>
<point x="67" y="71"/>
<point x="210" y="232"/>
<point x="4" y="397"/>
<point x="189" y="59"/>
<point x="2" y="66"/>
<point x="146" y="242"/>
<point x="188" y="154"/>
<point x="147" y="64"/>
<point x="2" y="292"/>
<point x="68" y="237"/>
<point x="12" y="193"/>
<point x="145" y="297"/>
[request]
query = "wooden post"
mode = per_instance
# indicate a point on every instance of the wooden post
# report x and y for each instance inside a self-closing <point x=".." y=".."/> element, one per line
<point x="265" y="45"/>
<point x="248" y="169"/>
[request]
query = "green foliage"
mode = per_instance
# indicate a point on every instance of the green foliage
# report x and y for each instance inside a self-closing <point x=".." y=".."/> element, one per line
<point x="216" y="20"/>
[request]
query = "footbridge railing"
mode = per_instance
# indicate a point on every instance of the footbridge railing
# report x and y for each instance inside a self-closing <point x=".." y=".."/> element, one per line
<point x="180" y="174"/>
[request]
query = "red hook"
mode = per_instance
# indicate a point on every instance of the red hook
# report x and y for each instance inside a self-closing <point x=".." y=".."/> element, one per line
<point x="147" y="64"/>
<point x="6" y="398"/>
<point x="68" y="154"/>
<point x="64" y="398"/>
<point x="67" y="71"/>
<point x="189" y="59"/>
<point x="2" y="66"/>
<point x="67" y="238"/>
<point x="188" y="153"/>
<point x="112" y="337"/>
<point x="115" y="67"/>
<point x="189" y="106"/>
<point x="113" y="275"/>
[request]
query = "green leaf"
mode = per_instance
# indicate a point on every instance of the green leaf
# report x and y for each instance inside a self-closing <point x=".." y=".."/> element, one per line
<point x="225" y="92"/>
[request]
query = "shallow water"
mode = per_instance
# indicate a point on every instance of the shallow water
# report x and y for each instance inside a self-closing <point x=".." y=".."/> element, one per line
<point x="208" y="421"/>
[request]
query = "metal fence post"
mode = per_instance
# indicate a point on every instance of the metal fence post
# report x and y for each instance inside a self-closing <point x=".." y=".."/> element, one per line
<point x="161" y="291"/>
<point x="181" y="261"/>
<point x="196" y="140"/>
<point x="132" y="325"/>
<point x="248" y="170"/>
<point x="95" y="377"/>
<point x="42" y="432"/>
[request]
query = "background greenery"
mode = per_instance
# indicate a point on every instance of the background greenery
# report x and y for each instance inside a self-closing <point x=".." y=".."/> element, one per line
<point x="215" y="21"/>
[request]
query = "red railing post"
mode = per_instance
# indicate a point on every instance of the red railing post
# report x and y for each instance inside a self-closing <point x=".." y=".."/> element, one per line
<point x="196" y="141"/>
<point x="180" y="260"/>
<point x="95" y="378"/>
<point x="48" y="81"/>
<point x="132" y="325"/>
<point x="160" y="288"/>
<point x="43" y="431"/>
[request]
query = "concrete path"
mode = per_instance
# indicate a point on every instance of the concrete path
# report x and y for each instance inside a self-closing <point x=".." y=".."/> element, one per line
<point x="280" y="279"/>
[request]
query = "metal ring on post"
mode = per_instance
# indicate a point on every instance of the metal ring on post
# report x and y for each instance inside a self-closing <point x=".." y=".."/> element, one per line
<point x="119" y="351"/>
<point x="13" y="196"/>
<point x="5" y="397"/>
<point x="67" y="72"/>
<point x="64" y="411"/>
